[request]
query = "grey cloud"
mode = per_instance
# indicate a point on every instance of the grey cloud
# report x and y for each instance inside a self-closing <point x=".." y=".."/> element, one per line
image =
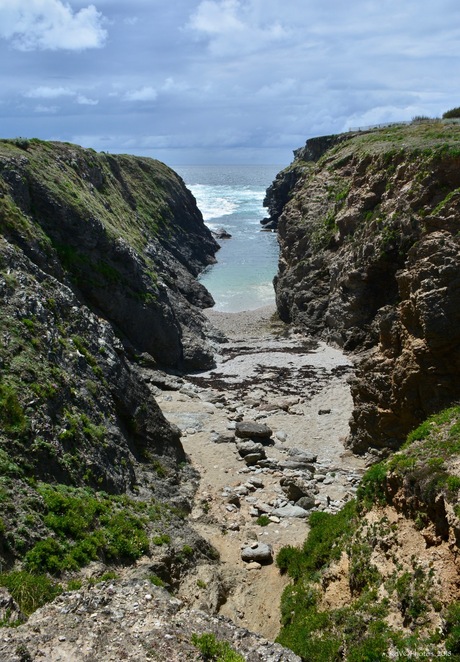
<point x="250" y="79"/>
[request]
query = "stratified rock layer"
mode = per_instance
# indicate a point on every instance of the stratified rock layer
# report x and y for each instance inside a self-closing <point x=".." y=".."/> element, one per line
<point x="370" y="261"/>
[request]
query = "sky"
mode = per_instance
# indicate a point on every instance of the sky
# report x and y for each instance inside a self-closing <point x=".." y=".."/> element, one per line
<point x="221" y="81"/>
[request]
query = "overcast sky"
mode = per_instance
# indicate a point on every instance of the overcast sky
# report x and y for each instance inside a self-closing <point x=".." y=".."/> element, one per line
<point x="221" y="81"/>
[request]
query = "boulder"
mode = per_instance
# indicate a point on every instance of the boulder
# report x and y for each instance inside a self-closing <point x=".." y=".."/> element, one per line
<point x="302" y="455"/>
<point x="234" y="499"/>
<point x="290" y="511"/>
<point x="306" y="502"/>
<point x="252" y="430"/>
<point x="253" y="458"/>
<point x="295" y="488"/>
<point x="246" y="447"/>
<point x="222" y="233"/>
<point x="259" y="552"/>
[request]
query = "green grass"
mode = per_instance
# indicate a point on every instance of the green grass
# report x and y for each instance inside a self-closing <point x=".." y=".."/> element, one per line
<point x="215" y="650"/>
<point x="12" y="416"/>
<point x="263" y="520"/>
<point x="30" y="591"/>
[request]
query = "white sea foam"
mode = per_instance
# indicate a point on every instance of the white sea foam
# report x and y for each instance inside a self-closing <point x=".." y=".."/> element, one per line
<point x="231" y="197"/>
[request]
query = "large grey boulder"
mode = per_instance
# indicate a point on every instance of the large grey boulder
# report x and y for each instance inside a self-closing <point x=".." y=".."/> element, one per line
<point x="260" y="552"/>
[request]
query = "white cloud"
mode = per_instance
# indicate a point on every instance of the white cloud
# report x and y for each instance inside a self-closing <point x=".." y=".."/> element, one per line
<point x="217" y="17"/>
<point x="85" y="101"/>
<point x="233" y="74"/>
<point x="145" y="93"/>
<point x="172" y="86"/>
<point x="50" y="25"/>
<point x="234" y="27"/>
<point x="45" y="92"/>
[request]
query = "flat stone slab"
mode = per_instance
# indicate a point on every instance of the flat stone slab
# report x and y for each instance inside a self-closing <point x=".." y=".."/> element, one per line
<point x="290" y="511"/>
<point x="223" y="438"/>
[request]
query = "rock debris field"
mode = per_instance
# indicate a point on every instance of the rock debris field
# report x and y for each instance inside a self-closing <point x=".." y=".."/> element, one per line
<point x="265" y="429"/>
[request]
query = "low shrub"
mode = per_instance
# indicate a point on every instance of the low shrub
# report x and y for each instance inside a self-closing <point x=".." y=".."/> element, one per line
<point x="263" y="520"/>
<point x="213" y="650"/>
<point x="87" y="526"/>
<point x="453" y="112"/>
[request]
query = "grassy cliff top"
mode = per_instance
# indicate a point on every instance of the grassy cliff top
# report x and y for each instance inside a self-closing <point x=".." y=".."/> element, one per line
<point x="430" y="137"/>
<point x="130" y="195"/>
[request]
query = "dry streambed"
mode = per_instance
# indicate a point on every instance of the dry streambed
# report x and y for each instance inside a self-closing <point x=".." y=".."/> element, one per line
<point x="290" y="460"/>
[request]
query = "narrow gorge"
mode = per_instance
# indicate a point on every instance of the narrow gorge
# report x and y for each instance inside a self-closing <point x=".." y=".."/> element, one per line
<point x="179" y="482"/>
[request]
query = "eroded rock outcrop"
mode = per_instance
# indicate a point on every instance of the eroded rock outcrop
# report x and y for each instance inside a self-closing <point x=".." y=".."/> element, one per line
<point x="131" y="620"/>
<point x="370" y="261"/>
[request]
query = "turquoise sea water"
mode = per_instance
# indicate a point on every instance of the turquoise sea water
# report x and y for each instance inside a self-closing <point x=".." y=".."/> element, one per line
<point x="231" y="197"/>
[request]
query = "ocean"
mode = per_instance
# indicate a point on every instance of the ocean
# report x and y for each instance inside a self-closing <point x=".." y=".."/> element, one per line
<point x="230" y="197"/>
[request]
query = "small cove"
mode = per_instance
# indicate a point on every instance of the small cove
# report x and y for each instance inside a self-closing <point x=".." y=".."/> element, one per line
<point x="231" y="197"/>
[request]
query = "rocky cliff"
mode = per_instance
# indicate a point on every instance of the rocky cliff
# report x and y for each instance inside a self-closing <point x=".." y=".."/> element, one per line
<point x="98" y="297"/>
<point x="98" y="258"/>
<point x="122" y="232"/>
<point x="369" y="260"/>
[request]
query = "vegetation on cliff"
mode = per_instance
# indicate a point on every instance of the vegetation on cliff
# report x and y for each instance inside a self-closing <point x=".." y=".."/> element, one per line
<point x="123" y="232"/>
<point x="98" y="255"/>
<point x="380" y="579"/>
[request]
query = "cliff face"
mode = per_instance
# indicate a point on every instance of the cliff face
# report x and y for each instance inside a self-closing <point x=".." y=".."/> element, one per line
<point x="123" y="232"/>
<point x="369" y="261"/>
<point x="97" y="262"/>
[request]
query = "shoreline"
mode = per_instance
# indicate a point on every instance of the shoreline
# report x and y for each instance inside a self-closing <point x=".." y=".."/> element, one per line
<point x="241" y="322"/>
